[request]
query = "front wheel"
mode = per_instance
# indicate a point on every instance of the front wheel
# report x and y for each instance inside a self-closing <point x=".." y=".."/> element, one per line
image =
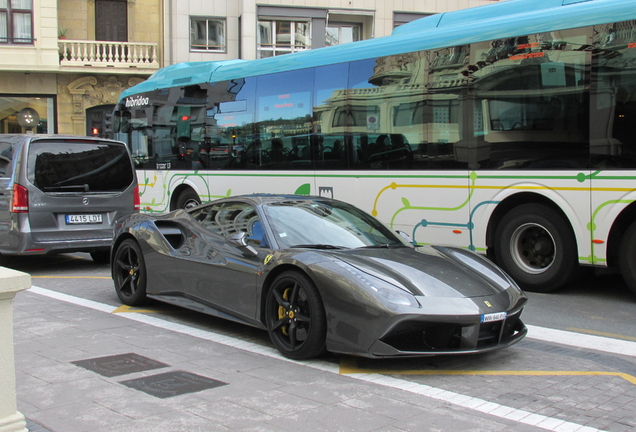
<point x="129" y="273"/>
<point x="295" y="316"/>
<point x="536" y="246"/>
<point x="627" y="257"/>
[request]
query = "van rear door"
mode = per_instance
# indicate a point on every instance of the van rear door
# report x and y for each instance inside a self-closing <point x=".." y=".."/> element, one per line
<point x="78" y="188"/>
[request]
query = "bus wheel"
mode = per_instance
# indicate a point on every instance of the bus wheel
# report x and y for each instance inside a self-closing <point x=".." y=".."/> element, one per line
<point x="626" y="260"/>
<point x="536" y="246"/>
<point x="188" y="199"/>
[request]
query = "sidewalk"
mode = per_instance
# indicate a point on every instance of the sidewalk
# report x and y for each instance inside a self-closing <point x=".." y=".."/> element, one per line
<point x="79" y="368"/>
<point x="95" y="365"/>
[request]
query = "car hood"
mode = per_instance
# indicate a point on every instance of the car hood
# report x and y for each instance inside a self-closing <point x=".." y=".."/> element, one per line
<point x="431" y="271"/>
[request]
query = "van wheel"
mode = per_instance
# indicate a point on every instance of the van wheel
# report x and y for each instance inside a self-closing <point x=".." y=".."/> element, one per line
<point x="626" y="257"/>
<point x="536" y="247"/>
<point x="101" y="256"/>
<point x="188" y="199"/>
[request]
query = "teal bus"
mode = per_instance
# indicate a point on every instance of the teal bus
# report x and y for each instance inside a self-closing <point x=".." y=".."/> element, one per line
<point x="505" y="129"/>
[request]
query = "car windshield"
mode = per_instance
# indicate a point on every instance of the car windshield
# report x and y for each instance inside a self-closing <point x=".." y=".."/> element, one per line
<point x="326" y="225"/>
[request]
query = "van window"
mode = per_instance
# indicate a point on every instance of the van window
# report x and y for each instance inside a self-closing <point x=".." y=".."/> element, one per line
<point x="6" y="155"/>
<point x="79" y="166"/>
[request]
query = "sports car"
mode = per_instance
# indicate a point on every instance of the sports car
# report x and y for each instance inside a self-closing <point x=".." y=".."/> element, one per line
<point x="319" y="275"/>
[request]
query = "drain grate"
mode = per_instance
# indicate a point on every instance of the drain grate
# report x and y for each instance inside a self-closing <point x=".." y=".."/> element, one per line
<point x="171" y="384"/>
<point x="121" y="364"/>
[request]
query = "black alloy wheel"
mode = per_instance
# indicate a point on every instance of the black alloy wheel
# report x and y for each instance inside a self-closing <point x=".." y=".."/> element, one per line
<point x="295" y="316"/>
<point x="129" y="273"/>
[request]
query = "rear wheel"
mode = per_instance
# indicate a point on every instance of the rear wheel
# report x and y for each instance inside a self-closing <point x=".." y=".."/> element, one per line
<point x="129" y="273"/>
<point x="627" y="257"/>
<point x="536" y="246"/>
<point x="295" y="316"/>
<point x="188" y="199"/>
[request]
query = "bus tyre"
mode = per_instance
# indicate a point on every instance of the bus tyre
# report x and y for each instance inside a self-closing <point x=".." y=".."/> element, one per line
<point x="536" y="246"/>
<point x="188" y="199"/>
<point x="627" y="257"/>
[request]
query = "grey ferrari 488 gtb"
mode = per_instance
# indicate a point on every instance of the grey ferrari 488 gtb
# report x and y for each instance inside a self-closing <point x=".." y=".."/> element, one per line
<point x="319" y="275"/>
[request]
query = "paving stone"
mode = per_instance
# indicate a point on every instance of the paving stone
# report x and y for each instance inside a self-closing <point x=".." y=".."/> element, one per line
<point x="265" y="393"/>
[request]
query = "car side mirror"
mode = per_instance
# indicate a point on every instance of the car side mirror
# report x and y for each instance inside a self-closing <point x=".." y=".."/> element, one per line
<point x="239" y="241"/>
<point x="407" y="237"/>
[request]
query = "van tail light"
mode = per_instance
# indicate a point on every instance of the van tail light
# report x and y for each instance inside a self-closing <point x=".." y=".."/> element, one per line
<point x="20" y="202"/>
<point x="137" y="199"/>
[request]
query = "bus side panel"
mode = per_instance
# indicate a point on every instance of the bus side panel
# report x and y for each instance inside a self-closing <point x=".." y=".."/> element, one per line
<point x="431" y="206"/>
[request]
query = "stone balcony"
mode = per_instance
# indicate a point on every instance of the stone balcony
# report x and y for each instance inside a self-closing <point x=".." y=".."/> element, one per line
<point x="117" y="56"/>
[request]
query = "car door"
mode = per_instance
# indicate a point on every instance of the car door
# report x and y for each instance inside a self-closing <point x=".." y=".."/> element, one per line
<point x="214" y="272"/>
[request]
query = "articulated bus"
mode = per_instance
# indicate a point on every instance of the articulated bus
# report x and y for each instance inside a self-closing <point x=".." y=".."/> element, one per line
<point x="506" y="129"/>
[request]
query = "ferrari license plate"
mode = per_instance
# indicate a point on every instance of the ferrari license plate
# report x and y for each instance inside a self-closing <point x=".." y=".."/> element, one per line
<point x="83" y="219"/>
<point x="497" y="316"/>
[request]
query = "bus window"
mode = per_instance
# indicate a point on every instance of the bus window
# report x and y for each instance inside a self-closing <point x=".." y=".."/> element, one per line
<point x="284" y="111"/>
<point x="330" y="84"/>
<point x="441" y="111"/>
<point x="613" y="99"/>
<point x="229" y="123"/>
<point x="533" y="99"/>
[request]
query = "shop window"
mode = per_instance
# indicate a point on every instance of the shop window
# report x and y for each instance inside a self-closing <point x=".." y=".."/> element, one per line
<point x="27" y="114"/>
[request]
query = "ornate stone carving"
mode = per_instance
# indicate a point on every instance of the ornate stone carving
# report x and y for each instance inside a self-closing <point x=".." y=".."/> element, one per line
<point x="90" y="91"/>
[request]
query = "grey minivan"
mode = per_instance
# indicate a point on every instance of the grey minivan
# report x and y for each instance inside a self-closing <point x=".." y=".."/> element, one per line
<point x="63" y="194"/>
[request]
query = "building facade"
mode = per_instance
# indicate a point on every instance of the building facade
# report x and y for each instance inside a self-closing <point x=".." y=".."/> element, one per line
<point x="65" y="62"/>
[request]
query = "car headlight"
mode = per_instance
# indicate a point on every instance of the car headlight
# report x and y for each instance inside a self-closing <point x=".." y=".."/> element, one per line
<point x="393" y="296"/>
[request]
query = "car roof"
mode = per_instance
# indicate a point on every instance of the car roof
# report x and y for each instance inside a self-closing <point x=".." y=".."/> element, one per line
<point x="265" y="198"/>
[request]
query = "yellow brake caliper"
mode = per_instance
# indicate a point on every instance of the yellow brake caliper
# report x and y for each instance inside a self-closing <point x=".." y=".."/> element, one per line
<point x="281" y="311"/>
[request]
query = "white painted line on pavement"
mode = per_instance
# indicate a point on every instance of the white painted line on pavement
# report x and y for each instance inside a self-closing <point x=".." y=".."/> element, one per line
<point x="580" y="340"/>
<point x="468" y="402"/>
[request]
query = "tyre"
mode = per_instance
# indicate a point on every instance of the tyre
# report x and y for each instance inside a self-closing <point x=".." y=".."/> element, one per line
<point x="627" y="257"/>
<point x="188" y="199"/>
<point x="295" y="316"/>
<point x="101" y="256"/>
<point x="536" y="247"/>
<point x="129" y="273"/>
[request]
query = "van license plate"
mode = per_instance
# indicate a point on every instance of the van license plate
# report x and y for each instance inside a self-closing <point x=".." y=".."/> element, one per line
<point x="84" y="219"/>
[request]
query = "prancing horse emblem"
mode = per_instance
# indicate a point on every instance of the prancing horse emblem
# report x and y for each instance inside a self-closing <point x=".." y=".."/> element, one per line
<point x="487" y="303"/>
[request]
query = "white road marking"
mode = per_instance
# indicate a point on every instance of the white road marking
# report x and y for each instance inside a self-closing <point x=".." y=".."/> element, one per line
<point x="550" y="335"/>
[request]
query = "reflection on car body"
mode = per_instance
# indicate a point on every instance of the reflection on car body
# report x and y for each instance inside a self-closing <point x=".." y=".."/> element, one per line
<point x="319" y="275"/>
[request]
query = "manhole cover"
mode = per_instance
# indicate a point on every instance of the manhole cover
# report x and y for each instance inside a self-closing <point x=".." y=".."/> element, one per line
<point x="171" y="384"/>
<point x="120" y="364"/>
